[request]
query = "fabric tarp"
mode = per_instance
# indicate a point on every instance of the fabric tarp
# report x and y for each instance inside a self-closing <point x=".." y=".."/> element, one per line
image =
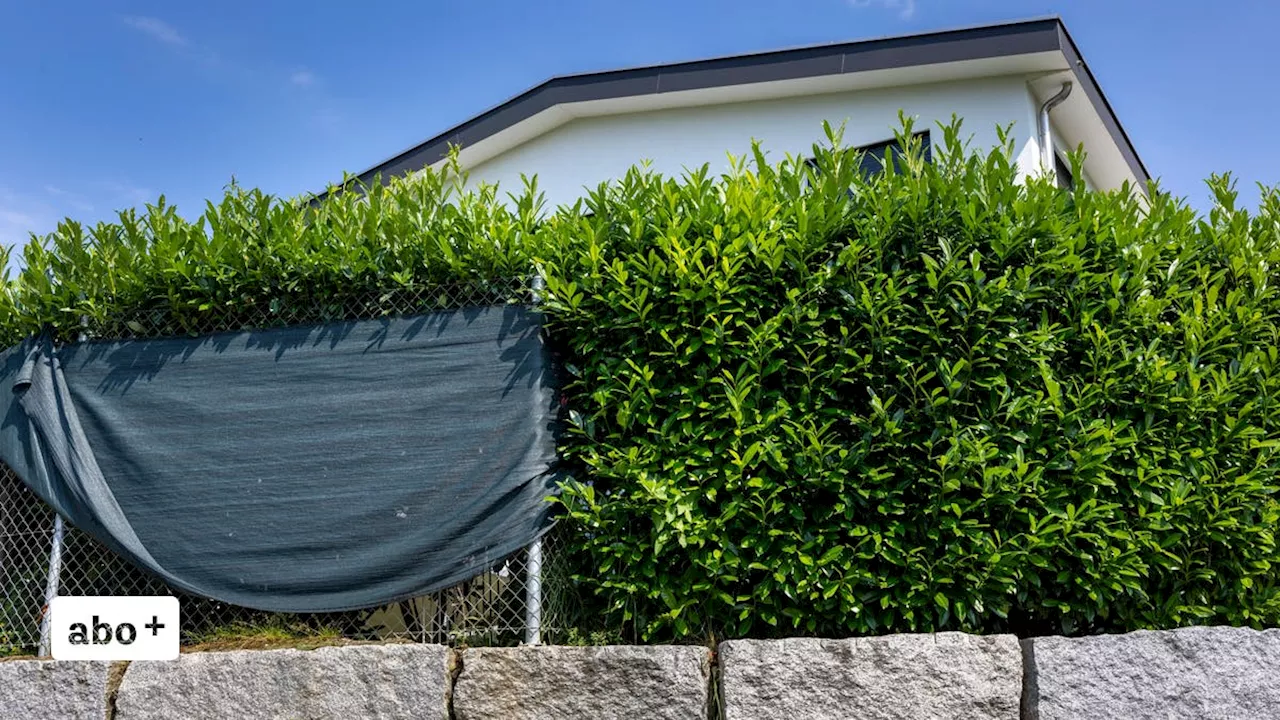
<point x="304" y="469"/>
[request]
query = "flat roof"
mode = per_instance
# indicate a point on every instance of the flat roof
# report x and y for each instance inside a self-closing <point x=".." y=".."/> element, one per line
<point x="970" y="43"/>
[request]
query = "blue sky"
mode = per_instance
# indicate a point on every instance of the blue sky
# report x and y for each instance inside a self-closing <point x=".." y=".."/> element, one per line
<point x="105" y="105"/>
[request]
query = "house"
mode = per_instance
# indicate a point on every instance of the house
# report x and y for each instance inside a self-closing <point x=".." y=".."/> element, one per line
<point x="579" y="130"/>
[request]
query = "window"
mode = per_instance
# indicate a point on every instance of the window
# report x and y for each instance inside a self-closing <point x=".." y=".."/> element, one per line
<point x="873" y="154"/>
<point x="1063" y="171"/>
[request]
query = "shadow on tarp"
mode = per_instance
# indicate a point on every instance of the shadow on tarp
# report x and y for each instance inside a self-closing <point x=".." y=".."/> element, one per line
<point x="305" y="469"/>
<point x="134" y="360"/>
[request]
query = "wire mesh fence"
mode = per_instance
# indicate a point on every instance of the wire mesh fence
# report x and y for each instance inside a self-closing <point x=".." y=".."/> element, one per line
<point x="26" y="529"/>
<point x="489" y="609"/>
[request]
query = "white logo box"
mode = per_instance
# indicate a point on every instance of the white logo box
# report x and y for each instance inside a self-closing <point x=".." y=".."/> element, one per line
<point x="114" y="628"/>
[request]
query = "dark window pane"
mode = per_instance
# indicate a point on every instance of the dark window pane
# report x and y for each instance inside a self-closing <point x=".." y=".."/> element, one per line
<point x="1063" y="171"/>
<point x="873" y="155"/>
<point x="872" y="160"/>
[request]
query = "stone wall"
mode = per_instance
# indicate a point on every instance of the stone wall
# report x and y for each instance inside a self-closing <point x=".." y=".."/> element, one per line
<point x="1189" y="673"/>
<point x="948" y="675"/>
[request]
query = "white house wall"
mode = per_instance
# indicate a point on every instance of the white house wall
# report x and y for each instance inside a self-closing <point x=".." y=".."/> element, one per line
<point x="586" y="151"/>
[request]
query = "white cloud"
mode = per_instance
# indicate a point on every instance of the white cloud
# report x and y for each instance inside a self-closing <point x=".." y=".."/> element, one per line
<point x="16" y="226"/>
<point x="24" y="213"/>
<point x="125" y="194"/>
<point x="75" y="200"/>
<point x="157" y="29"/>
<point x="906" y="9"/>
<point x="303" y="78"/>
<point x="212" y="61"/>
<point x="21" y="215"/>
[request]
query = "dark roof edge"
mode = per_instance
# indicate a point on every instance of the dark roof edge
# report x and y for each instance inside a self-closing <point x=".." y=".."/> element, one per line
<point x="839" y="44"/>
<point x="1089" y="84"/>
<point x="971" y="43"/>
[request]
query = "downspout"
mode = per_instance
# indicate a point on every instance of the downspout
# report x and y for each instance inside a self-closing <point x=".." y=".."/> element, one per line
<point x="1046" y="132"/>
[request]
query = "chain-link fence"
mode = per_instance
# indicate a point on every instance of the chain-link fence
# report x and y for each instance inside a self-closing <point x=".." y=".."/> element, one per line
<point x="490" y="609"/>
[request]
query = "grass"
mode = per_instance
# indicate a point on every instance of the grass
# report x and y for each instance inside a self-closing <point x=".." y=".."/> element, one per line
<point x="274" y="634"/>
<point x="7" y="654"/>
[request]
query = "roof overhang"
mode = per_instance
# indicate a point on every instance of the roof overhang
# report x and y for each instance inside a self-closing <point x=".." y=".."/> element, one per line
<point x="1035" y="47"/>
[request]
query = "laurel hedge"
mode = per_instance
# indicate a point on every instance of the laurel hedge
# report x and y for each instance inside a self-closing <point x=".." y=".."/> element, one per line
<point x="807" y="398"/>
<point x="252" y="255"/>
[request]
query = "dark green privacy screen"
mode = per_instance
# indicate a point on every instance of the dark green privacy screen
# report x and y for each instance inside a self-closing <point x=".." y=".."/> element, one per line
<point x="303" y="469"/>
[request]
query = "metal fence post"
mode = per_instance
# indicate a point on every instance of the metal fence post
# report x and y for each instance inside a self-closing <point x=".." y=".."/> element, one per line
<point x="51" y="588"/>
<point x="533" y="568"/>
<point x="533" y="595"/>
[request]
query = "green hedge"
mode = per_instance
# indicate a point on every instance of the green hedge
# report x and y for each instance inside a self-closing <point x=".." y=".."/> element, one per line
<point x="943" y="400"/>
<point x="806" y="400"/>
<point x="254" y="254"/>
